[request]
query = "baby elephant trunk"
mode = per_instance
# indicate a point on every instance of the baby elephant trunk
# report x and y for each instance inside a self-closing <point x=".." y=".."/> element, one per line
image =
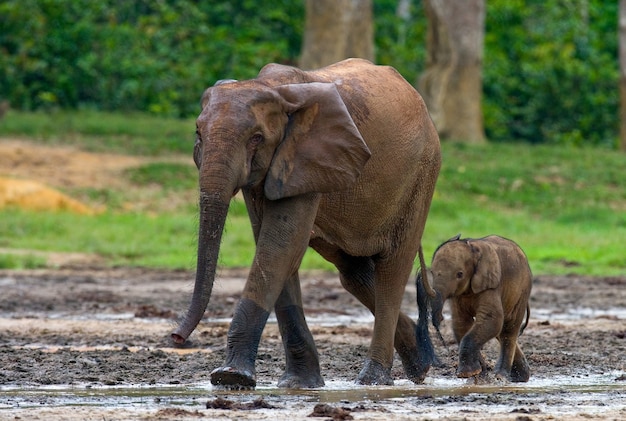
<point x="437" y="314"/>
<point x="437" y="311"/>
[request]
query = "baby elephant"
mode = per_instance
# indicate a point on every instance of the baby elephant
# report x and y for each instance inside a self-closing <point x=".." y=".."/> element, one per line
<point x="488" y="281"/>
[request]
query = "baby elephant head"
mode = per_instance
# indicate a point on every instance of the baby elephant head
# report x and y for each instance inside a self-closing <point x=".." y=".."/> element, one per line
<point x="463" y="267"/>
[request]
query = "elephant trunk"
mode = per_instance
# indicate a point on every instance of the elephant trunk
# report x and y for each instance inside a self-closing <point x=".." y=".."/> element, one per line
<point x="213" y="210"/>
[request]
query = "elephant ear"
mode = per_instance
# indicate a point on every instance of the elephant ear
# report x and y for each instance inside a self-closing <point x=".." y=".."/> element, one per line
<point x="487" y="272"/>
<point x="322" y="150"/>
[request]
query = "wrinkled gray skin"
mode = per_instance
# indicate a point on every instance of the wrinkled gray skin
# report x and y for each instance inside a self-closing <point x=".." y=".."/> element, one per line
<point x="488" y="282"/>
<point x="343" y="159"/>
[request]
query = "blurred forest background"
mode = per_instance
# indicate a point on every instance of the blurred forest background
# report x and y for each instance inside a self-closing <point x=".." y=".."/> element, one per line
<point x="550" y="69"/>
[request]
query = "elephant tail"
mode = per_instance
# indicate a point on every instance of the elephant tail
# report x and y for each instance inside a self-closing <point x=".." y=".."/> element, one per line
<point x="422" y="334"/>
<point x="521" y="330"/>
<point x="428" y="289"/>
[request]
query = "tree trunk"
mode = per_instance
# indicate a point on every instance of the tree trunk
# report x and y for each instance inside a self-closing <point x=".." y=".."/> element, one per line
<point x="452" y="82"/>
<point x="336" y="30"/>
<point x="622" y="72"/>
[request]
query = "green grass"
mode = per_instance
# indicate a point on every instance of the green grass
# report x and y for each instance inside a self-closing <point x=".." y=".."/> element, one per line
<point x="122" y="238"/>
<point x="21" y="261"/>
<point x="168" y="176"/>
<point x="565" y="206"/>
<point x="131" y="133"/>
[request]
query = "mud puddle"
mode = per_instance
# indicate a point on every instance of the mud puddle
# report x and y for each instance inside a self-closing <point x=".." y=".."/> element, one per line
<point x="437" y="398"/>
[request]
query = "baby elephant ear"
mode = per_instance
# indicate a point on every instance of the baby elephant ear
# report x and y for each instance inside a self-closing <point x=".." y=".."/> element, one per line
<point x="488" y="271"/>
<point x="322" y="150"/>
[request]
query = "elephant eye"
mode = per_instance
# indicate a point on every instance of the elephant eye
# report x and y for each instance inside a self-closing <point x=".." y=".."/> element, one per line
<point x="256" y="139"/>
<point x="197" y="151"/>
<point x="459" y="275"/>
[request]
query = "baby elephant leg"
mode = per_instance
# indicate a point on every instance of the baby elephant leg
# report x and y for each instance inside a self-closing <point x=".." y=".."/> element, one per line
<point x="508" y="344"/>
<point x="486" y="326"/>
<point x="469" y="357"/>
<point x="512" y="363"/>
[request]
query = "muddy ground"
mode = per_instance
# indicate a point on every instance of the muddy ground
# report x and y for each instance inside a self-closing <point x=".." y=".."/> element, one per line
<point x="82" y="343"/>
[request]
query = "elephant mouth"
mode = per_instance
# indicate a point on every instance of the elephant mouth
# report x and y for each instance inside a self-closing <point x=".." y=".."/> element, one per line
<point x="236" y="191"/>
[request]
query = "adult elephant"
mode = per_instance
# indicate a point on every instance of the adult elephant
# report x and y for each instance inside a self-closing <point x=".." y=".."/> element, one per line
<point x="343" y="159"/>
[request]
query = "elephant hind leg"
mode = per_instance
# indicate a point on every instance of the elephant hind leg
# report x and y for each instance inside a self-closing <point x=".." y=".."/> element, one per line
<point x="520" y="370"/>
<point x="512" y="363"/>
<point x="357" y="276"/>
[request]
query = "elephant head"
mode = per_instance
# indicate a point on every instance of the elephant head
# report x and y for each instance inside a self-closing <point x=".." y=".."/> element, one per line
<point x="460" y="267"/>
<point x="279" y="141"/>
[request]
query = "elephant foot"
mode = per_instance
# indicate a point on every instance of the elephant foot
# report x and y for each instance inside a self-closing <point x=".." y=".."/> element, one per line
<point x="293" y="381"/>
<point x="232" y="379"/>
<point x="520" y="372"/>
<point x="375" y="374"/>
<point x="415" y="368"/>
<point x="467" y="370"/>
<point x="417" y="360"/>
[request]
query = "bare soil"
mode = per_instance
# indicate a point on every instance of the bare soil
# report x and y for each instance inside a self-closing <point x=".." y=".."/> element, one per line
<point x="86" y="342"/>
<point x="102" y="329"/>
<point x="63" y="166"/>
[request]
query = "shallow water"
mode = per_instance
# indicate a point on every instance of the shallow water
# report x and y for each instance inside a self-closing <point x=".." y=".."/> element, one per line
<point x="403" y="393"/>
<point x="569" y="314"/>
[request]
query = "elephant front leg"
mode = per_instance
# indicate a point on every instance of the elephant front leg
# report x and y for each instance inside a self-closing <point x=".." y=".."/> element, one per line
<point x="302" y="360"/>
<point x="238" y="371"/>
<point x="487" y="325"/>
<point x="282" y="237"/>
<point x="469" y="351"/>
<point x="469" y="358"/>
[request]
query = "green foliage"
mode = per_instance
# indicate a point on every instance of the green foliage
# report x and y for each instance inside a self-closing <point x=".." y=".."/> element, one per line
<point x="138" y="239"/>
<point x="401" y="37"/>
<point x="551" y="71"/>
<point x="155" y="56"/>
<point x="550" y="66"/>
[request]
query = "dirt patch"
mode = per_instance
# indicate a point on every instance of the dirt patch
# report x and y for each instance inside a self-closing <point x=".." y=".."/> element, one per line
<point x="63" y="166"/>
<point x="32" y="195"/>
<point x="108" y="329"/>
<point x="31" y="174"/>
<point x="40" y="177"/>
